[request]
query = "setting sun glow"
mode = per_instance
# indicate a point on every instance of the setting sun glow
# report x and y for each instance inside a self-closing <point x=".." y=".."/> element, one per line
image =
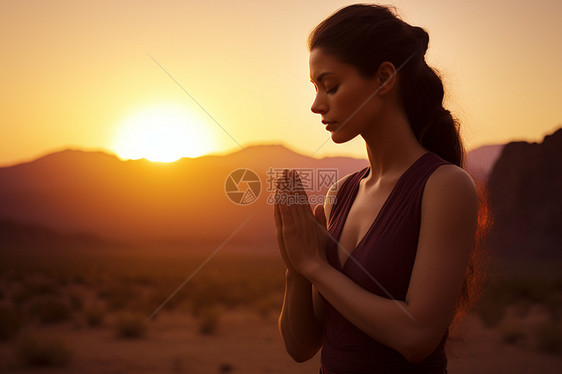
<point x="163" y="134"/>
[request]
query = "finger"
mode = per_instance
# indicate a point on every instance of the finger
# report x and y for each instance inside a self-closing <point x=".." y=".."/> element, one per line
<point x="284" y="209"/>
<point x="298" y="208"/>
<point x="279" y="181"/>
<point x="276" y="213"/>
<point x="281" y="188"/>
<point x="279" y="232"/>
<point x="298" y="182"/>
<point x="288" y="188"/>
<point x="301" y="197"/>
<point x="319" y="215"/>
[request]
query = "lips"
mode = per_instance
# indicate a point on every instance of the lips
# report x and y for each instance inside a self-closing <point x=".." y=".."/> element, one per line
<point x="330" y="125"/>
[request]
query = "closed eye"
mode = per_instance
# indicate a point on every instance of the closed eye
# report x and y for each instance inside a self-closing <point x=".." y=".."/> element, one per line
<point x="332" y="90"/>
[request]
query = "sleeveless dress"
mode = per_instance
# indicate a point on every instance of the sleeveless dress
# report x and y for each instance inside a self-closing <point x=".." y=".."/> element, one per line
<point x="381" y="263"/>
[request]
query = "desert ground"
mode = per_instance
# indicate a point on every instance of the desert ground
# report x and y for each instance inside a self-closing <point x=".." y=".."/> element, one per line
<point x="90" y="313"/>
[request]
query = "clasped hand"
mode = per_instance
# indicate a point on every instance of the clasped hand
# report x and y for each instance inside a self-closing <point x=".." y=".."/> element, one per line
<point x="301" y="234"/>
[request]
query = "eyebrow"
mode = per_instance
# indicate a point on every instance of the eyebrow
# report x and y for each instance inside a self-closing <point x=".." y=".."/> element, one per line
<point x="321" y="76"/>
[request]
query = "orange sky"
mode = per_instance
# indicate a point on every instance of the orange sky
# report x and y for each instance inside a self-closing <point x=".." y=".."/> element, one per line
<point x="72" y="72"/>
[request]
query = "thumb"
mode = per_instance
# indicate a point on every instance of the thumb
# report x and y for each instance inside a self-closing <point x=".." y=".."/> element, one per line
<point x="319" y="214"/>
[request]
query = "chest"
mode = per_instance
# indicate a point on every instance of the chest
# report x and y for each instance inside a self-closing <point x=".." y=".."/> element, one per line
<point x="363" y="214"/>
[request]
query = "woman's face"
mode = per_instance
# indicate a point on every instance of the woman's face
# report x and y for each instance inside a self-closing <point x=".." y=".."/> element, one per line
<point x="340" y="92"/>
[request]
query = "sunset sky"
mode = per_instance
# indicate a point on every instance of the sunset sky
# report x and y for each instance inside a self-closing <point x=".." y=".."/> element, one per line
<point x="90" y="75"/>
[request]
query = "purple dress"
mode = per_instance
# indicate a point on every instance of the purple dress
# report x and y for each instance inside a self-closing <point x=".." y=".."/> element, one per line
<point x="382" y="264"/>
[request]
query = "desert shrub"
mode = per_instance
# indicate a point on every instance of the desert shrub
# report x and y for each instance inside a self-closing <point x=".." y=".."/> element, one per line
<point x="95" y="315"/>
<point x="209" y="319"/>
<point x="204" y="293"/>
<point x="177" y="364"/>
<point x="266" y="305"/>
<point x="43" y="285"/>
<point x="522" y="308"/>
<point x="79" y="279"/>
<point x="35" y="287"/>
<point x="159" y="296"/>
<point x="50" y="310"/>
<point x="21" y="296"/>
<point x="11" y="321"/>
<point x="225" y="368"/>
<point x="511" y="290"/>
<point x="76" y="301"/>
<point x="491" y="313"/>
<point x="536" y="290"/>
<point x="512" y="333"/>
<point x="233" y="281"/>
<point x="42" y="351"/>
<point x="130" y="325"/>
<point x="549" y="337"/>
<point x="554" y="306"/>
<point x="117" y="297"/>
<point x="501" y="293"/>
<point x="143" y="280"/>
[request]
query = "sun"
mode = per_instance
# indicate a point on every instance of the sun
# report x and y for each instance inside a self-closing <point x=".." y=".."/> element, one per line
<point x="164" y="134"/>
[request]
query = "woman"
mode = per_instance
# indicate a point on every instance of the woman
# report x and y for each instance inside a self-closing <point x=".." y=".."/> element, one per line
<point x="376" y="278"/>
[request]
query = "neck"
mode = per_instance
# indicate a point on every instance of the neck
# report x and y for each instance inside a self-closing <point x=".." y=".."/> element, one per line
<point x="391" y="147"/>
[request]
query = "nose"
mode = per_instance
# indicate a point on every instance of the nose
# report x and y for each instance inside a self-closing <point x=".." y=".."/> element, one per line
<point x="319" y="106"/>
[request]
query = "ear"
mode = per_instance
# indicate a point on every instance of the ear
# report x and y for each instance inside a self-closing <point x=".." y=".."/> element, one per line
<point x="386" y="77"/>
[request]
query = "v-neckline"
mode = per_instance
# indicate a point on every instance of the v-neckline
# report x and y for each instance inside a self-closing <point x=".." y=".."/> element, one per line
<point x="354" y="193"/>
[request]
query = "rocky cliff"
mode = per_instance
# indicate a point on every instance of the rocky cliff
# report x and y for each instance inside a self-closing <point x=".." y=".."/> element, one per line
<point x="525" y="190"/>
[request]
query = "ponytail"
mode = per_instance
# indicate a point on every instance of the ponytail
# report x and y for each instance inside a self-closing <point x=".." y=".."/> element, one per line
<point x="421" y="91"/>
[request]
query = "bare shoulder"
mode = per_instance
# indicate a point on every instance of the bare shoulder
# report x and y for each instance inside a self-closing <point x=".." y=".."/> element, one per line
<point x="453" y="186"/>
<point x="331" y="195"/>
<point x="451" y="177"/>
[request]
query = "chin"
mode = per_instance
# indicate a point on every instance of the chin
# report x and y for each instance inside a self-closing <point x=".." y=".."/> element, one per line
<point x="337" y="141"/>
<point x="339" y="137"/>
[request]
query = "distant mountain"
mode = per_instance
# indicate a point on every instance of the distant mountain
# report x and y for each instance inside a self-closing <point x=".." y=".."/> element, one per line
<point x="59" y="197"/>
<point x="526" y="199"/>
<point x="138" y="200"/>
<point x="19" y="236"/>
<point x="480" y="161"/>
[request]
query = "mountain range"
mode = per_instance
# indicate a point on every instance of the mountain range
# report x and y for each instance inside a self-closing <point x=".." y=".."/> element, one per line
<point x="74" y="191"/>
<point x="85" y="197"/>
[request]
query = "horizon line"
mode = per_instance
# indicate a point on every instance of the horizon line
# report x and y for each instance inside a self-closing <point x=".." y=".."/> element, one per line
<point x="225" y="153"/>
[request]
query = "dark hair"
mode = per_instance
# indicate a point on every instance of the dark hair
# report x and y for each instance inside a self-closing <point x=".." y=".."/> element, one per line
<point x="365" y="36"/>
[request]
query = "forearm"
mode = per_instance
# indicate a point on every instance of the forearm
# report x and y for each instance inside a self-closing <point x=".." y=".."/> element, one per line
<point x="390" y="322"/>
<point x="298" y="325"/>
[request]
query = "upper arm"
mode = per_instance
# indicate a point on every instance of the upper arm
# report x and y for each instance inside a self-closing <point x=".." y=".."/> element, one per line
<point x="447" y="234"/>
